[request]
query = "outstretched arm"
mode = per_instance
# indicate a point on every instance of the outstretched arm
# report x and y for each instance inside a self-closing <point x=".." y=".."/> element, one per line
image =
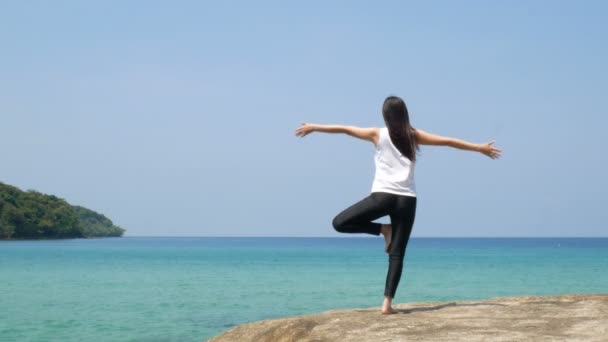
<point x="369" y="133"/>
<point x="488" y="149"/>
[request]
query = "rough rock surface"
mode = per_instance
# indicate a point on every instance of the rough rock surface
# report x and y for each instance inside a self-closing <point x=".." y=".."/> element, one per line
<point x="573" y="317"/>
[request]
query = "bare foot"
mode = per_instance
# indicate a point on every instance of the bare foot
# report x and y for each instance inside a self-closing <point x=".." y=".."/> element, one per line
<point x="387" y="306"/>
<point x="388" y="311"/>
<point x="387" y="231"/>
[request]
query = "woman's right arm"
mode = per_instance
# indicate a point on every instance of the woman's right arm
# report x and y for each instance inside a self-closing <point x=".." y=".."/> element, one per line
<point x="365" y="133"/>
<point x="488" y="149"/>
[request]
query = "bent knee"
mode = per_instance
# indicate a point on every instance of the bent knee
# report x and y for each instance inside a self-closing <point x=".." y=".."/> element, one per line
<point x="338" y="223"/>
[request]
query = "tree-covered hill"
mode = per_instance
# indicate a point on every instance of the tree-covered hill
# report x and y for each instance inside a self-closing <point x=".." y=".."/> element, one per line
<point x="34" y="215"/>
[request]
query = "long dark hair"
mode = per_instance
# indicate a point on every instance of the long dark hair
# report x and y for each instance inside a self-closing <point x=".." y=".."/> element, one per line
<point x="397" y="121"/>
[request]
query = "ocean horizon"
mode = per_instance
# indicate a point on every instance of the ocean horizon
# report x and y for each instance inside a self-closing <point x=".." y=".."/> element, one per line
<point x="182" y="288"/>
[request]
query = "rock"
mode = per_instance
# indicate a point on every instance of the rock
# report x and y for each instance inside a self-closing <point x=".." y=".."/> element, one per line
<point x="576" y="317"/>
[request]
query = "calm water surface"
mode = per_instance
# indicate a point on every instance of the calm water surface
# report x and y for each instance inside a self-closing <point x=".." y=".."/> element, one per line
<point x="189" y="289"/>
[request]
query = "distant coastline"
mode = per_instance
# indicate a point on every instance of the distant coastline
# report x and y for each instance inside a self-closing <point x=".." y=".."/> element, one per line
<point x="31" y="215"/>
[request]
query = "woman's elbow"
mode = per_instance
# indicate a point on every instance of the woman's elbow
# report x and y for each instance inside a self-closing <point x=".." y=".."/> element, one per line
<point x="447" y="142"/>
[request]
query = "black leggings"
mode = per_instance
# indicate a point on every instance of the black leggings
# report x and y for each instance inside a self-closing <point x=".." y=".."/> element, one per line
<point x="358" y="219"/>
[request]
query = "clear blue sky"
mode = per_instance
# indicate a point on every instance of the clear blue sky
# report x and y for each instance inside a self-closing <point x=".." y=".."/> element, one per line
<point x="177" y="118"/>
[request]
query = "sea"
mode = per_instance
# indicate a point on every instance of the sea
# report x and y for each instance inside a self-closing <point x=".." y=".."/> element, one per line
<point x="192" y="288"/>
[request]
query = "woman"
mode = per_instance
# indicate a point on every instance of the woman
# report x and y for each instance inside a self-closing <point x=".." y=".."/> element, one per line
<point x="393" y="190"/>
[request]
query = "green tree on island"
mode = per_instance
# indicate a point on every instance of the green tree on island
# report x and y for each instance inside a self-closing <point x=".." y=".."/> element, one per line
<point x="34" y="215"/>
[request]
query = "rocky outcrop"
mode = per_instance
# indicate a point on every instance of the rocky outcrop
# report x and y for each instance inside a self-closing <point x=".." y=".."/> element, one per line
<point x="582" y="317"/>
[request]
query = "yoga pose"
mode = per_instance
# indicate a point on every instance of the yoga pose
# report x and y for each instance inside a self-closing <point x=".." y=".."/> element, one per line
<point x="393" y="191"/>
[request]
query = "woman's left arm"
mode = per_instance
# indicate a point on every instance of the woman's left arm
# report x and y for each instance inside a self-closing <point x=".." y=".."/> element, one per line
<point x="488" y="148"/>
<point x="364" y="133"/>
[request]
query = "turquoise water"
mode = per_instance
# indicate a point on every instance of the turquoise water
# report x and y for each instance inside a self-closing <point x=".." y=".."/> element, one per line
<point x="189" y="289"/>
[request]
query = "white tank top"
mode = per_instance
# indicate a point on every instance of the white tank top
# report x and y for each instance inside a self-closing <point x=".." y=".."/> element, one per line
<point x="394" y="172"/>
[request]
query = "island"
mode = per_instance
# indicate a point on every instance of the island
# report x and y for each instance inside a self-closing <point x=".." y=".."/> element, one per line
<point x="34" y="215"/>
<point x="567" y="317"/>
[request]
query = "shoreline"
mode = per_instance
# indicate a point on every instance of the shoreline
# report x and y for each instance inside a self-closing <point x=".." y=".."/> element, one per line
<point x="60" y="238"/>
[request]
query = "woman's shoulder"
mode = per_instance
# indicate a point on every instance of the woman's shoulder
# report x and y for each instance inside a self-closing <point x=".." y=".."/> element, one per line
<point x="382" y="135"/>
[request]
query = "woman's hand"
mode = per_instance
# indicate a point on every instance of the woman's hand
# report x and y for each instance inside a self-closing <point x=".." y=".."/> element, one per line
<point x="305" y="129"/>
<point x="489" y="150"/>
